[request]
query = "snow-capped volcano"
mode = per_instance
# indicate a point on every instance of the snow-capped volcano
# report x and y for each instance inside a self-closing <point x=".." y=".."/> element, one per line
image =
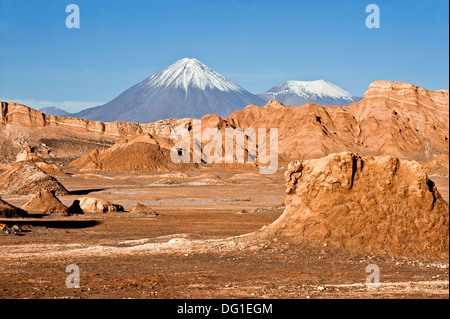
<point x="191" y="73"/>
<point x="185" y="89"/>
<point x="296" y="93"/>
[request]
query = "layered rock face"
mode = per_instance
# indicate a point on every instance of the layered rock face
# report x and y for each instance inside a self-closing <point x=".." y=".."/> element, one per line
<point x="394" y="118"/>
<point x="308" y="131"/>
<point x="381" y="204"/>
<point x="63" y="138"/>
<point x="402" y="119"/>
<point x="14" y="113"/>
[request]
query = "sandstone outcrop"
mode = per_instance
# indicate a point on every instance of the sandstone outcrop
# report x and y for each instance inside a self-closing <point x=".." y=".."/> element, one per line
<point x="403" y="120"/>
<point x="381" y="204"/>
<point x="274" y="104"/>
<point x="26" y="178"/>
<point x="14" y="113"/>
<point x="394" y="118"/>
<point x="95" y="205"/>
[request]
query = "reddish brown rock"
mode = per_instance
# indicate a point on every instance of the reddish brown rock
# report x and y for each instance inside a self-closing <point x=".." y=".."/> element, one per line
<point x="28" y="154"/>
<point x="26" y="178"/>
<point x="95" y="205"/>
<point x="144" y="152"/>
<point x="403" y="120"/>
<point x="394" y="118"/>
<point x="46" y="202"/>
<point x="381" y="204"/>
<point x="10" y="211"/>
<point x="65" y="138"/>
<point x="274" y="104"/>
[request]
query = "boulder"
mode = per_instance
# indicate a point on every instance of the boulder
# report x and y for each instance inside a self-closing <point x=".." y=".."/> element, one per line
<point x="95" y="205"/>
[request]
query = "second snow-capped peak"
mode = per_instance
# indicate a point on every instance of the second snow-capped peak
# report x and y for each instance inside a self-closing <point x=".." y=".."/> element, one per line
<point x="308" y="89"/>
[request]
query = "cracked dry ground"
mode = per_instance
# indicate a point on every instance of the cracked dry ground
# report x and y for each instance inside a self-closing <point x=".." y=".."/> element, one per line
<point x="179" y="254"/>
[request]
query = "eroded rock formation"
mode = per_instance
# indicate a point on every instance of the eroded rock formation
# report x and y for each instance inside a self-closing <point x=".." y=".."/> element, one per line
<point x="378" y="204"/>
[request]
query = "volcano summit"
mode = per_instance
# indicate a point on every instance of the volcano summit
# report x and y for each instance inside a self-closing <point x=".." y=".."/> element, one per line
<point x="186" y="89"/>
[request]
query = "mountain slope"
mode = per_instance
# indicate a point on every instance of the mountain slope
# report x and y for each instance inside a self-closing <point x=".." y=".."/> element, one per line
<point x="297" y="93"/>
<point x="56" y="111"/>
<point x="186" y="89"/>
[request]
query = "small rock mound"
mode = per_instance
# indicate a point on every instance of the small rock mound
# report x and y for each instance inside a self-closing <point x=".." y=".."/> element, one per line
<point x="26" y="178"/>
<point x="144" y="210"/>
<point x="10" y="211"/>
<point x="95" y="205"/>
<point x="46" y="202"/>
<point x="144" y="152"/>
<point x="381" y="204"/>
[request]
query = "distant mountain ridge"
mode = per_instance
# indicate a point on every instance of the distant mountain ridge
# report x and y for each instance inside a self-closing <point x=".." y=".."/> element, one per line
<point x="190" y="89"/>
<point x="320" y="92"/>
<point x="185" y="89"/>
<point x="56" y="111"/>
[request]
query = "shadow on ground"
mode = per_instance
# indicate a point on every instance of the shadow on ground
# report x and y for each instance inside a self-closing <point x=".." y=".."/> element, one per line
<point x="86" y="191"/>
<point x="64" y="224"/>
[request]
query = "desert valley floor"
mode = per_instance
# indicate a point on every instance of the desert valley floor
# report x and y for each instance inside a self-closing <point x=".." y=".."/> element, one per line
<point x="360" y="187"/>
<point x="192" y="248"/>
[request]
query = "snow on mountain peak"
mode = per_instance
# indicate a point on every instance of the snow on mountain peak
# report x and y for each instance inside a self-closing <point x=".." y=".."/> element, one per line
<point x="309" y="89"/>
<point x="191" y="73"/>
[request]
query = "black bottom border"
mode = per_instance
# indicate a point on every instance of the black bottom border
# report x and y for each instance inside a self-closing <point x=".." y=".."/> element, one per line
<point x="226" y="308"/>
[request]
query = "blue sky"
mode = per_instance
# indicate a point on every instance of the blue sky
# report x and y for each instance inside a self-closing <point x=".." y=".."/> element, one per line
<point x="255" y="43"/>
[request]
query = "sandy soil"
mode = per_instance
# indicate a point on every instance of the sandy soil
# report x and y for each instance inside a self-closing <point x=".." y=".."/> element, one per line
<point x="192" y="249"/>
